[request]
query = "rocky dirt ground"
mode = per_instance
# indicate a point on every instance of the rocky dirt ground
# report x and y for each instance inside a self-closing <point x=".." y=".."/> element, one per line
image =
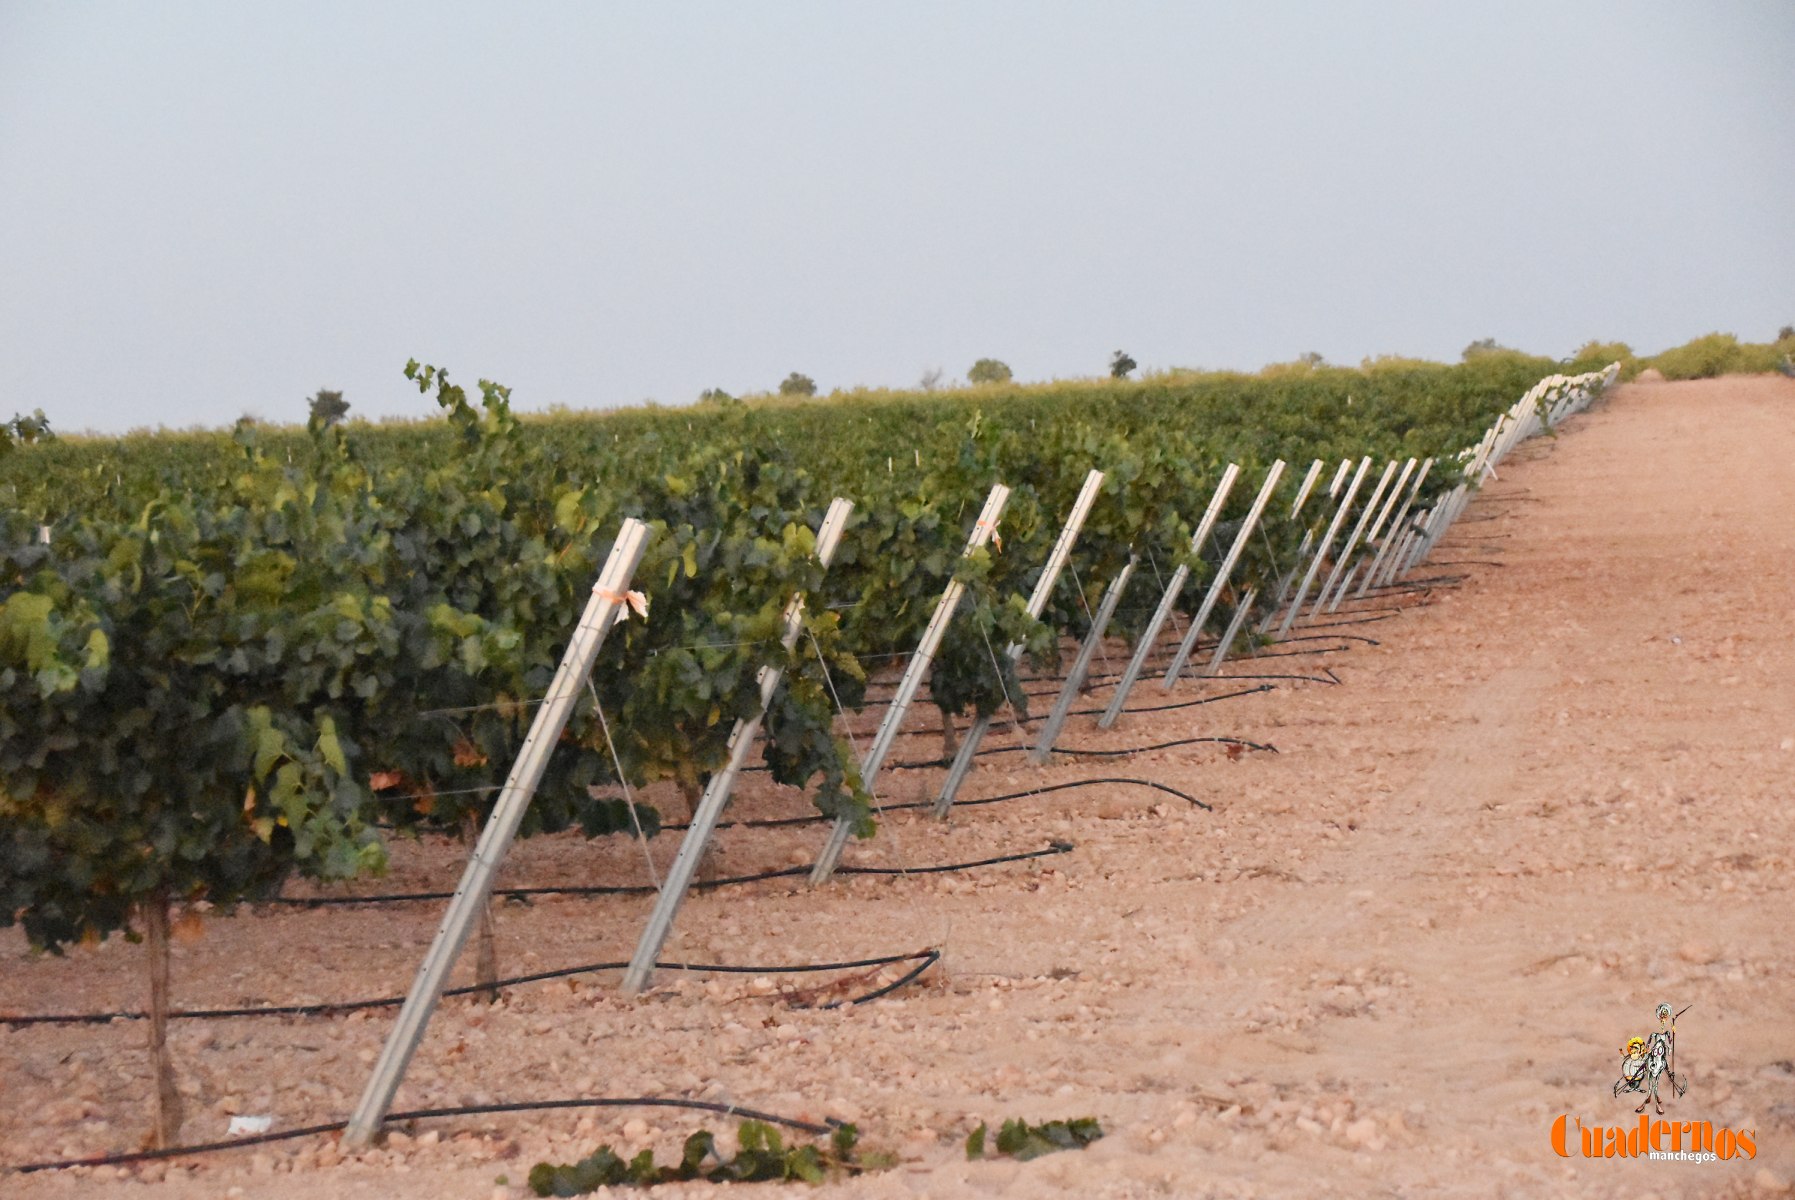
<point x="1539" y="801"/>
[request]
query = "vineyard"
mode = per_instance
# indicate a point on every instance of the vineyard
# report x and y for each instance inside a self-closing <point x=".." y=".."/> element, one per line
<point x="229" y="661"/>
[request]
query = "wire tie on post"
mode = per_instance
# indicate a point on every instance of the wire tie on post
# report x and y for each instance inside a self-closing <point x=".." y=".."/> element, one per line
<point x="625" y="601"/>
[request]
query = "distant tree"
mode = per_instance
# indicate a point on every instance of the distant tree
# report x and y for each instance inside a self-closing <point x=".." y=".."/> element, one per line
<point x="1786" y="333"/>
<point x="23" y="430"/>
<point x="797" y="385"/>
<point x="1484" y="346"/>
<point x="327" y="408"/>
<point x="1120" y="364"/>
<point x="931" y="379"/>
<point x="988" y="370"/>
<point x="1311" y="359"/>
<point x="716" y="396"/>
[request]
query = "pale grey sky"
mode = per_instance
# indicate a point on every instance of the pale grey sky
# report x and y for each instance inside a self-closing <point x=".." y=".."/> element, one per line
<point x="208" y="209"/>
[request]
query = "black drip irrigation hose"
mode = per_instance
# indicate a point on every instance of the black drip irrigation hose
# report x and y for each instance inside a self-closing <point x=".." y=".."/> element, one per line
<point x="1325" y="637"/>
<point x="1327" y="677"/>
<point x="819" y="818"/>
<point x="1226" y="741"/>
<point x="917" y="764"/>
<point x="1382" y="614"/>
<point x="1029" y="718"/>
<point x="928" y="958"/>
<point x="1180" y="704"/>
<point x="1052" y="849"/>
<point x="424" y="1114"/>
<point x="1196" y="650"/>
<point x="1424" y="586"/>
<point x="645" y="889"/>
<point x="1252" y="691"/>
<point x="1076" y="783"/>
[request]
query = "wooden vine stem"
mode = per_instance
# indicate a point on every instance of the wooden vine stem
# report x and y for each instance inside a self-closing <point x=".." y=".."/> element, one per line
<point x="982" y="529"/>
<point x="716" y="793"/>
<point x="475" y="888"/>
<point x="166" y="1132"/>
<point x="1037" y="604"/>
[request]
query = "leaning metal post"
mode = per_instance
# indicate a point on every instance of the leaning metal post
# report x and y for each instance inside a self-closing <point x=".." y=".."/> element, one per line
<point x="1037" y="604"/>
<point x="1352" y="540"/>
<point x="475" y="889"/>
<point x="1377" y="526"/>
<point x="1327" y="543"/>
<point x="1223" y="647"/>
<point x="1296" y="566"/>
<point x="1081" y="666"/>
<point x="982" y="531"/>
<point x="1395" y="531"/>
<point x="716" y="793"/>
<point x="1167" y="601"/>
<point x="1222" y="573"/>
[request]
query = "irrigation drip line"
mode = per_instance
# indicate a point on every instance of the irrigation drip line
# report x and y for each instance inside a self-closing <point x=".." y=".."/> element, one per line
<point x="1468" y="562"/>
<point x="1211" y="645"/>
<point x="918" y="764"/>
<point x="927" y="957"/>
<point x="818" y="818"/>
<point x="424" y="1114"/>
<point x="1324" y="637"/>
<point x="1102" y="678"/>
<point x="1300" y="653"/>
<point x="1253" y="691"/>
<point x="1388" y="615"/>
<point x="1051" y="849"/>
<point x="641" y="889"/>
<point x="1166" y="746"/>
<point x="1076" y="783"/>
<point x="1327" y="676"/>
<point x="1028" y="718"/>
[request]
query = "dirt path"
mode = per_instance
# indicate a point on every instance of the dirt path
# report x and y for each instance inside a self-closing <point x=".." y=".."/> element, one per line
<point x="1548" y="799"/>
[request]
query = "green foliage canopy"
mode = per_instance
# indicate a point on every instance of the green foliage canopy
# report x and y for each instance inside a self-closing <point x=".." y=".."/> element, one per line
<point x="988" y="370"/>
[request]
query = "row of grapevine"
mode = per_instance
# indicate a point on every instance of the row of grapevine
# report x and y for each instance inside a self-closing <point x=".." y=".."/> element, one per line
<point x="1399" y="546"/>
<point x="205" y="667"/>
<point x="222" y="666"/>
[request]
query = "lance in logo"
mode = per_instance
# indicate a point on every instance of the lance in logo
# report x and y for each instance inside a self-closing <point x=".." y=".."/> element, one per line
<point x="1645" y="1060"/>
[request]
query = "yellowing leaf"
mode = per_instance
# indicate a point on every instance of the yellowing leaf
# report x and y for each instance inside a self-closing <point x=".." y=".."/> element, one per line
<point x="188" y="928"/>
<point x="330" y="749"/>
